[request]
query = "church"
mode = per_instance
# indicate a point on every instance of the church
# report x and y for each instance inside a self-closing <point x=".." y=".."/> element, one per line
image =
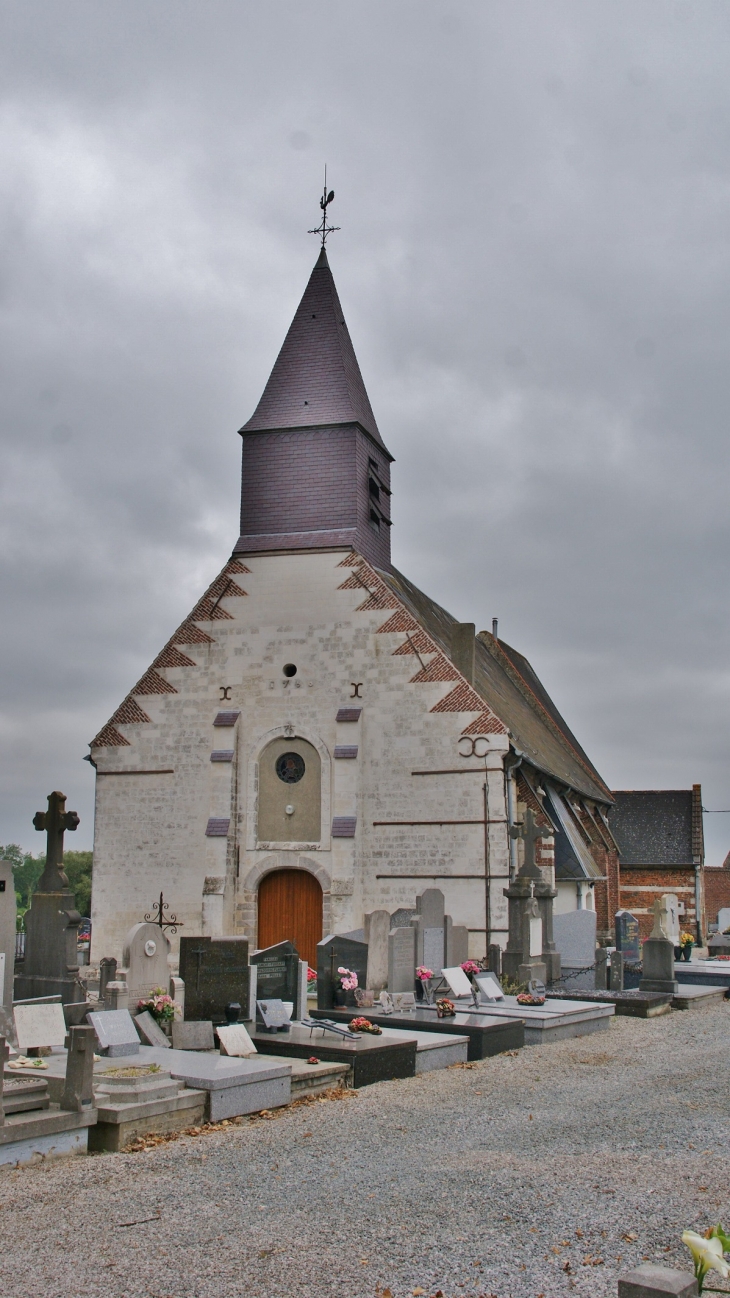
<point x="297" y="754"/>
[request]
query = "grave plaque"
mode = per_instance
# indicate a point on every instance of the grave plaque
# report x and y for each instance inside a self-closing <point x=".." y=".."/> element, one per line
<point x="39" y="1025"/>
<point x="627" y="936"/>
<point x="401" y="960"/>
<point x="332" y="952"/>
<point x="489" y="986"/>
<point x="235" y="1041"/>
<point x="274" y="1014"/>
<point x="458" y="981"/>
<point x="277" y="972"/>
<point x="215" y="972"/>
<point x="190" y="1035"/>
<point x="115" y="1032"/>
<point x="150" y="1032"/>
<point x="535" y="923"/>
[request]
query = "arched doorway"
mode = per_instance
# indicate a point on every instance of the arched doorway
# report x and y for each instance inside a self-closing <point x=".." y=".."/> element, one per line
<point x="290" y="908"/>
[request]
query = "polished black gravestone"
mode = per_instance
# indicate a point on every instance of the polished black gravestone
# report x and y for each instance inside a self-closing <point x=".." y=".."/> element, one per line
<point x="215" y="972"/>
<point x="627" y="936"/>
<point x="333" y="952"/>
<point x="277" y="972"/>
<point x="372" y="1059"/>
<point x="488" y="1034"/>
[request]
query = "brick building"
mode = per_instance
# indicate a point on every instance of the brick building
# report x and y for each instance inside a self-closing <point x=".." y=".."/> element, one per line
<point x="661" y="849"/>
<point x="318" y="738"/>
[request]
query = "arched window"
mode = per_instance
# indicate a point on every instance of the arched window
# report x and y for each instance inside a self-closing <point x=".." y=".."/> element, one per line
<point x="290" y="793"/>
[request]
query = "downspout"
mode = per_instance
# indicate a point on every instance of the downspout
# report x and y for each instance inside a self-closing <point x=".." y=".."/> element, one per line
<point x="698" y="901"/>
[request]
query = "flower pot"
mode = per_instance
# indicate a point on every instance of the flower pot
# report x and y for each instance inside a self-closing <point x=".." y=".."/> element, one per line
<point x="687" y="951"/>
<point x="677" y="953"/>
<point x="340" y="997"/>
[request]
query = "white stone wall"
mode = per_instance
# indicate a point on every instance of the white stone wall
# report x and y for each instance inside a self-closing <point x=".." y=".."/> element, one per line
<point x="150" y="828"/>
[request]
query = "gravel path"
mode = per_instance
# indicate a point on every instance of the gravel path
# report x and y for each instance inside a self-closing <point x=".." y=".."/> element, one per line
<point x="543" y="1173"/>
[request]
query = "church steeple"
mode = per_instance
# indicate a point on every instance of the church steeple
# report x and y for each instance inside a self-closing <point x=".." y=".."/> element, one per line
<point x="316" y="473"/>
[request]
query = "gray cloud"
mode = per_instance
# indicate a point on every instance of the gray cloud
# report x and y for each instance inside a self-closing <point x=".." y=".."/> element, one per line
<point x="533" y="261"/>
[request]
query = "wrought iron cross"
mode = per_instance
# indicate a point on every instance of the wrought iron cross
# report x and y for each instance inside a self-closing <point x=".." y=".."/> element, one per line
<point x="323" y="228"/>
<point x="529" y="832"/>
<point x="165" y="921"/>
<point x="55" y="821"/>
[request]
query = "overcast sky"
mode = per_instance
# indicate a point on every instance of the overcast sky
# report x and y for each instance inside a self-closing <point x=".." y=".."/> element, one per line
<point x="535" y="209"/>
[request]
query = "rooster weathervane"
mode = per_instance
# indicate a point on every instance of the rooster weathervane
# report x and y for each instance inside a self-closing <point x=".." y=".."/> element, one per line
<point x="323" y="228"/>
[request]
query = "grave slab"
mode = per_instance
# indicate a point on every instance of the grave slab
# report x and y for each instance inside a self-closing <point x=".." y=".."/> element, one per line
<point x="142" y="1104"/>
<point x="487" y="1035"/>
<point x="434" y="1050"/>
<point x="24" y="1094"/>
<point x="233" y="1086"/>
<point x="632" y="1003"/>
<point x="690" y="997"/>
<point x="53" y="1133"/>
<point x="372" y="1059"/>
<point x="703" y="973"/>
<point x="556" y="1020"/>
<point x="315" y="1079"/>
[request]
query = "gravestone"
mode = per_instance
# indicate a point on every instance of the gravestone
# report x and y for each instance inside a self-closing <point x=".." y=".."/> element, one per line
<point x="723" y="919"/>
<point x="190" y="1035"/>
<point x="51" y="966"/>
<point x="627" y="936"/>
<point x="39" y="1025"/>
<point x="235" y="1041"/>
<point x="78" y="1090"/>
<point x="216" y="972"/>
<point x="150" y="1032"/>
<point x="575" y="938"/>
<point x="377" y="928"/>
<point x="332" y="953"/>
<point x="115" y="1032"/>
<point x="657" y="956"/>
<point x="107" y="974"/>
<point x="146" y="948"/>
<point x="116" y="996"/>
<point x="670" y="916"/>
<point x="277" y="972"/>
<point x="7" y="933"/>
<point x="274" y="1014"/>
<point x="617" y="971"/>
<point x="430" y="925"/>
<point x="457" y="942"/>
<point x="401" y="960"/>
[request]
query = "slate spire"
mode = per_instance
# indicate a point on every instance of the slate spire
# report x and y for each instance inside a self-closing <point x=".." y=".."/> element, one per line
<point x="316" y="380"/>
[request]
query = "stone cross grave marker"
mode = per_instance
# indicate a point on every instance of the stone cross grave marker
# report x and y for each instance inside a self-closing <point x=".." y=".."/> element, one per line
<point x="216" y="973"/>
<point x="377" y="928"/>
<point x="7" y="933"/>
<point x="627" y="936"/>
<point x="332" y="952"/>
<point x="51" y="963"/>
<point x="146" y="948"/>
<point x="78" y="1090"/>
<point x="56" y="820"/>
<point x="401" y="960"/>
<point x="39" y="1025"/>
<point x="529" y="832"/>
<point x="115" y="1032"/>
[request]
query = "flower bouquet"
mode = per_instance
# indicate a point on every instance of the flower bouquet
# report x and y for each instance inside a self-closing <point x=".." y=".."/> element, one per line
<point x="311" y="976"/>
<point x="345" y="982"/>
<point x="361" y="1024"/>
<point x="445" y="1009"/>
<point x="470" y="967"/>
<point x="424" y="976"/>
<point x="686" y="942"/>
<point x="527" y="998"/>
<point x="161" y="1006"/>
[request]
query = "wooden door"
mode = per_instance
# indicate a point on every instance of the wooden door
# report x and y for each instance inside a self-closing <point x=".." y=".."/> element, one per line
<point x="290" y="908"/>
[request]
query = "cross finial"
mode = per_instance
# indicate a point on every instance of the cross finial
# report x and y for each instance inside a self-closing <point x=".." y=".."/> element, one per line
<point x="529" y="832"/>
<point x="55" y="821"/>
<point x="323" y="228"/>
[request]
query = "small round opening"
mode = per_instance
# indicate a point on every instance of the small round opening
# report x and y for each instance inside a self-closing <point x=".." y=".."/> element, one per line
<point x="290" y="669"/>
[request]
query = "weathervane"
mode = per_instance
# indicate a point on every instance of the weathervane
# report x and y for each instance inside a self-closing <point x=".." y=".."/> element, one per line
<point x="323" y="228"/>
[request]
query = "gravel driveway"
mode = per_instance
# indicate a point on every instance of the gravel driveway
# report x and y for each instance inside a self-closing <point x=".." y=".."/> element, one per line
<point x="546" y="1172"/>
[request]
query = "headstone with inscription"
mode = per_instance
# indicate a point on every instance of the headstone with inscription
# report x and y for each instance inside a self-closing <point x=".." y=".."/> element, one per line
<point x="377" y="928"/>
<point x="274" y="1014"/>
<point x="335" y="952"/>
<point x="430" y="925"/>
<point x="575" y="938"/>
<point x="401" y="960"/>
<point x="627" y="936"/>
<point x="7" y="933"/>
<point x="277" y="972"/>
<point x="146" y="948"/>
<point x="657" y="956"/>
<point x="216" y="972"/>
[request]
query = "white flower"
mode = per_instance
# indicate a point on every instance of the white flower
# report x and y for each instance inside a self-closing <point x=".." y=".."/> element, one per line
<point x="707" y="1253"/>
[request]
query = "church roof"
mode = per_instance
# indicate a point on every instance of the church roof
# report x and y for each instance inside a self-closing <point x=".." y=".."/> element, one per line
<point x="508" y="684"/>
<point x="655" y="826"/>
<point x="316" y="379"/>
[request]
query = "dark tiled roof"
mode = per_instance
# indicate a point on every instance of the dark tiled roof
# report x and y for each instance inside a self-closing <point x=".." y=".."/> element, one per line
<point x="506" y="681"/>
<point x="653" y="826"/>
<point x="316" y="379"/>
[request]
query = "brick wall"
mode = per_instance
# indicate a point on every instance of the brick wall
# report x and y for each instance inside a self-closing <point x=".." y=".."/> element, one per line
<point x="717" y="892"/>
<point x="641" y="886"/>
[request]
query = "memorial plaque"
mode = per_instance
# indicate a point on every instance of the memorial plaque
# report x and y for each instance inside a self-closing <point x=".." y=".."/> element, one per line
<point x="274" y="1014"/>
<point x="193" y="1035"/>
<point x="458" y="981"/>
<point x="235" y="1041"/>
<point x="115" y="1032"/>
<point x="535" y="936"/>
<point x="40" y="1025"/>
<point x="216" y="972"/>
<point x="277" y="972"/>
<point x="489" y="986"/>
<point x="150" y="1031"/>
<point x="627" y="936"/>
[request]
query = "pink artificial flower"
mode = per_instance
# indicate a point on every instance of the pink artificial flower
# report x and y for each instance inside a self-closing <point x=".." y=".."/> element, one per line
<point x="423" y="974"/>
<point x="470" y="967"/>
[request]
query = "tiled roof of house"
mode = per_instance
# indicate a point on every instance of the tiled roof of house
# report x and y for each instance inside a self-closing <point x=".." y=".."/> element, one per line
<point x="316" y="379"/>
<point x="508" y="684"/>
<point x="655" y="826"/>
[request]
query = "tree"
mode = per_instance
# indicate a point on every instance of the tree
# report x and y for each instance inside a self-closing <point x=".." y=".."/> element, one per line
<point x="27" y="870"/>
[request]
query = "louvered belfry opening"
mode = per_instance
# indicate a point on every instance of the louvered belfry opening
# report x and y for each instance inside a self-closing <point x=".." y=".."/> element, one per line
<point x="315" y="470"/>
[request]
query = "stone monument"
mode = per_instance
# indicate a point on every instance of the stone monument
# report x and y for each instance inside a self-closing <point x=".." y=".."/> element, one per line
<point x="627" y="936"/>
<point x="144" y="956"/>
<point x="216" y="973"/>
<point x="332" y="952"/>
<point x="401" y="960"/>
<point x="530" y="954"/>
<point x="7" y="934"/>
<point x="51" y="925"/>
<point x="377" y="928"/>
<point x="657" y="956"/>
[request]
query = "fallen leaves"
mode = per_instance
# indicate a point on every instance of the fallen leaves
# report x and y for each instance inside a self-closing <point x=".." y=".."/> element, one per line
<point x="630" y="1237"/>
